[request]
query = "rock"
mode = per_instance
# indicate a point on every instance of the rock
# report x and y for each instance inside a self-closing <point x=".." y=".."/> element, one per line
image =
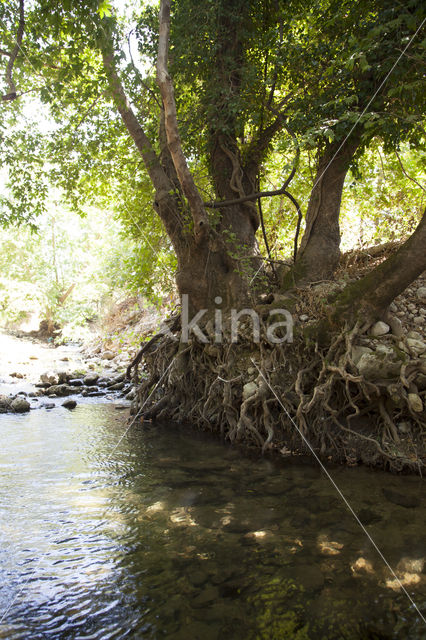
<point x="76" y="382"/>
<point x="131" y="394"/>
<point x="415" y="335"/>
<point x="5" y="402"/>
<point x="379" y="329"/>
<point x="33" y="358"/>
<point x="17" y="375"/>
<point x="91" y="379"/>
<point x="63" y="377"/>
<point x="376" y="367"/>
<point x="419" y="321"/>
<point x="20" y="405"/>
<point x="396" y="327"/>
<point x="404" y="427"/>
<point x="421" y="293"/>
<point x="116" y="387"/>
<point x="120" y="378"/>
<point x="58" y="390"/>
<point x="249" y="389"/>
<point x="121" y="407"/>
<point x="303" y="318"/>
<point x="69" y="404"/>
<point x="411" y="565"/>
<point x="49" y="378"/>
<point x="417" y="346"/>
<point x="415" y="402"/>
<point x="401" y="499"/>
<point x="48" y="405"/>
<point x="385" y="350"/>
<point x="358" y="351"/>
<point x="71" y="390"/>
<point x="65" y="359"/>
<point x="108" y="355"/>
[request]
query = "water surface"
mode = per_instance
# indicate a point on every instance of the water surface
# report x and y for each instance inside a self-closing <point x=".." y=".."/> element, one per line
<point x="169" y="533"/>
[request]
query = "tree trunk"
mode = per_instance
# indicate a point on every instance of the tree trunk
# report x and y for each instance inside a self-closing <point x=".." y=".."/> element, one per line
<point x="370" y="297"/>
<point x="319" y="251"/>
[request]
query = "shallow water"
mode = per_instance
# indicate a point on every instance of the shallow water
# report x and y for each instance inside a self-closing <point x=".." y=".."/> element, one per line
<point x="167" y="533"/>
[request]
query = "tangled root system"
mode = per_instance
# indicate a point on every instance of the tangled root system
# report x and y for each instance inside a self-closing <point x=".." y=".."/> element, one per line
<point x="266" y="395"/>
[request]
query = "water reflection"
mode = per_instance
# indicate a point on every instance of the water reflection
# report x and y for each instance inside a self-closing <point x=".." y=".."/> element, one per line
<point x="178" y="536"/>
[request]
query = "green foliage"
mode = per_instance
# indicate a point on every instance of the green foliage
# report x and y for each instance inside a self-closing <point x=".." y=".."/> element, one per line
<point x="326" y="67"/>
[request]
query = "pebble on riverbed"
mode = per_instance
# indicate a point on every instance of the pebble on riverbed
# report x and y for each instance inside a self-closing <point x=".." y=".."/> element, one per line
<point x="69" y="404"/>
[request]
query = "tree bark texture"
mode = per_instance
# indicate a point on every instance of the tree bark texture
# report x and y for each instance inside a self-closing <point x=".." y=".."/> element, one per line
<point x="319" y="251"/>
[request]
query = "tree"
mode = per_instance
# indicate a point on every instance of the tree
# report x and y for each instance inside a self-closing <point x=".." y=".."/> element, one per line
<point x="242" y="76"/>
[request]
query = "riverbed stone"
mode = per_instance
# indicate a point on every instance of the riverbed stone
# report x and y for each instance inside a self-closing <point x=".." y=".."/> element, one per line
<point x="379" y="329"/>
<point x="91" y="379"/>
<point x="401" y="499"/>
<point x="76" y="382"/>
<point x="116" y="387"/>
<point x="421" y="293"/>
<point x="5" y="401"/>
<point x="58" y="390"/>
<point x="108" y="355"/>
<point x="69" y="404"/>
<point x="49" y="378"/>
<point x="20" y="405"/>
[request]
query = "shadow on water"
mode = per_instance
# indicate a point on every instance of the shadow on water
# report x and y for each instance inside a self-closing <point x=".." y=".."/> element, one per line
<point x="173" y="534"/>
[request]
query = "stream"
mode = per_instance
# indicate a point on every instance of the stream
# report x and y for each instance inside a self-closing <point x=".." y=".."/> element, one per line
<point x="158" y="531"/>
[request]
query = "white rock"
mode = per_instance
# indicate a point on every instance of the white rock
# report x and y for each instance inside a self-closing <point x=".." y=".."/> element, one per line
<point x="49" y="378"/>
<point x="421" y="293"/>
<point x="303" y="318"/>
<point x="358" y="351"/>
<point x="375" y="367"/>
<point x="384" y="350"/>
<point x="379" y="329"/>
<point x="108" y="355"/>
<point x="404" y="427"/>
<point x="249" y="389"/>
<point x="415" y="402"/>
<point x="414" y="334"/>
<point x="396" y="326"/>
<point x="419" y="320"/>
<point x="418" y="346"/>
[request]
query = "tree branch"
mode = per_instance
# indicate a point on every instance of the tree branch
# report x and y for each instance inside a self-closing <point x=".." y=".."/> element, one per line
<point x="165" y="201"/>
<point x="14" y="53"/>
<point x="262" y="194"/>
<point x="406" y="174"/>
<point x="165" y="84"/>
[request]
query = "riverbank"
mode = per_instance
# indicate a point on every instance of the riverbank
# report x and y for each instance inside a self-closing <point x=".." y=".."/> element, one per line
<point x="35" y="374"/>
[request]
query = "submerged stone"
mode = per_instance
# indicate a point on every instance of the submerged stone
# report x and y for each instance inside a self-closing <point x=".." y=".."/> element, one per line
<point x="20" y="405"/>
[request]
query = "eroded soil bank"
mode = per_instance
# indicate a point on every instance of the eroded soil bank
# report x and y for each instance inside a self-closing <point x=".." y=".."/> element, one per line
<point x="360" y="399"/>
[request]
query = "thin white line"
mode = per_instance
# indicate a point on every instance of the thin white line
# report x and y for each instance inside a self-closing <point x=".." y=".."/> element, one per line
<point x="308" y="444"/>
<point x="12" y="602"/>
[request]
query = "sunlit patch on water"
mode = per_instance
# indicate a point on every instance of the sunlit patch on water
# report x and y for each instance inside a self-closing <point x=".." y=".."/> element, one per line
<point x="174" y="535"/>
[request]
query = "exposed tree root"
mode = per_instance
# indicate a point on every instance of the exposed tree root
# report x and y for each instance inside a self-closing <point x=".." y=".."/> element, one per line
<point x="345" y="417"/>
